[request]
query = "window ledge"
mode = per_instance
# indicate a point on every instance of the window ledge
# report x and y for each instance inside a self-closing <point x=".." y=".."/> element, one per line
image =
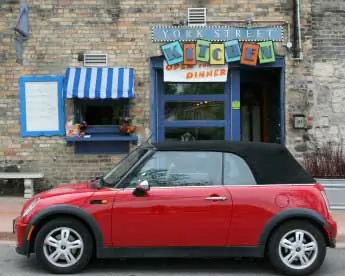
<point x="102" y="144"/>
<point x="98" y="138"/>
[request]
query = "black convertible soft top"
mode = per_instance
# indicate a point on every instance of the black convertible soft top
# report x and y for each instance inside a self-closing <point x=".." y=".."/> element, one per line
<point x="270" y="163"/>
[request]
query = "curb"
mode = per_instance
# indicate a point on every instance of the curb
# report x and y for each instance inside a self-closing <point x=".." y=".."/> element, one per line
<point x="7" y="236"/>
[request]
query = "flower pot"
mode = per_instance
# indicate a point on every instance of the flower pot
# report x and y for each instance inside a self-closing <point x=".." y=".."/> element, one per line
<point x="128" y="130"/>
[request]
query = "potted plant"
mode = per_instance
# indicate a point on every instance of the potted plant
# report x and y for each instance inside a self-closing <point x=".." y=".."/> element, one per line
<point x="83" y="127"/>
<point x="126" y="127"/>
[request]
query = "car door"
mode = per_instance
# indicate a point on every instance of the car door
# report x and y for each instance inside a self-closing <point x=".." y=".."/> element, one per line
<point x="187" y="205"/>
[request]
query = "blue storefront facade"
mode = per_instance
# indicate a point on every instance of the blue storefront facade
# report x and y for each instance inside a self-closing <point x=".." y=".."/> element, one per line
<point x="220" y="103"/>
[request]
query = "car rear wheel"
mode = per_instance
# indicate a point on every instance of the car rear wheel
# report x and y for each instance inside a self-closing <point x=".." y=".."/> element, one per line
<point x="63" y="246"/>
<point x="297" y="248"/>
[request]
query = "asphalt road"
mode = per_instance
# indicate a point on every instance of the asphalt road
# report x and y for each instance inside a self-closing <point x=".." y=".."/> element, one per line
<point x="12" y="264"/>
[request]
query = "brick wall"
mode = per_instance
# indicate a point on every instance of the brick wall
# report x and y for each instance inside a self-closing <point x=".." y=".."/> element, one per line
<point x="60" y="29"/>
<point x="328" y="69"/>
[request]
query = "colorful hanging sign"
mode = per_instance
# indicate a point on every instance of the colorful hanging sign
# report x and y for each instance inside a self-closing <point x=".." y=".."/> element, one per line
<point x="218" y="53"/>
<point x="216" y="33"/>
<point x="266" y="53"/>
<point x="250" y="53"/>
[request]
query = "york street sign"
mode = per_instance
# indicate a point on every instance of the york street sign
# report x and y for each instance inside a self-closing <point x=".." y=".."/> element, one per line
<point x="217" y="33"/>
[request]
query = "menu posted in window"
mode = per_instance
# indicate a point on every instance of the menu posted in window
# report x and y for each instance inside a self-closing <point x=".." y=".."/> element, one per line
<point x="41" y="106"/>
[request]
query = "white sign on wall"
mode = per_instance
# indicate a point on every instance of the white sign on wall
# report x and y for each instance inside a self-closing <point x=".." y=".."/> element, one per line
<point x="201" y="72"/>
<point x="41" y="106"/>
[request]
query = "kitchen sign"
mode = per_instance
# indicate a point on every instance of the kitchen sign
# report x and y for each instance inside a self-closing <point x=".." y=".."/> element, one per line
<point x="190" y="53"/>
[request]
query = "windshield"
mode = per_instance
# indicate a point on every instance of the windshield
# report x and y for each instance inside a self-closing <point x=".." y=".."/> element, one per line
<point x="112" y="177"/>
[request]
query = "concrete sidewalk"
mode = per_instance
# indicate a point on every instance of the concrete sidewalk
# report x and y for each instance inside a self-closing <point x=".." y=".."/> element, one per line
<point x="10" y="208"/>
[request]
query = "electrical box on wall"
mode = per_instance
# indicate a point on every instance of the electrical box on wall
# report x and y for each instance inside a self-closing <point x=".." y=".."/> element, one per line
<point x="299" y="121"/>
<point x="324" y="121"/>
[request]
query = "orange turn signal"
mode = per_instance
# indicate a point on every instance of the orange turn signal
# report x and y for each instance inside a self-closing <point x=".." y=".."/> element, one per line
<point x="30" y="232"/>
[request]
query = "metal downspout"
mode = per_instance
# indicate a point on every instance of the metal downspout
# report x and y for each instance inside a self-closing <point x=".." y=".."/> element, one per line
<point x="298" y="23"/>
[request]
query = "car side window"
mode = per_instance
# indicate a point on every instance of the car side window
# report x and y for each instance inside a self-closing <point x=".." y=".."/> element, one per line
<point x="174" y="168"/>
<point x="237" y="171"/>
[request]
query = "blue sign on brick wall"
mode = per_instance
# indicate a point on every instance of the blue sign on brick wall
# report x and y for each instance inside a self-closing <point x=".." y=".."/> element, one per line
<point x="216" y="33"/>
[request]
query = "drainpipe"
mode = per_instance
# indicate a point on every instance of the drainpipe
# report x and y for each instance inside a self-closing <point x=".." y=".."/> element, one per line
<point x="297" y="31"/>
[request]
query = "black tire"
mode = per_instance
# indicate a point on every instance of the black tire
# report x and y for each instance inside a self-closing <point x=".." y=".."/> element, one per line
<point x="274" y="248"/>
<point x="85" y="255"/>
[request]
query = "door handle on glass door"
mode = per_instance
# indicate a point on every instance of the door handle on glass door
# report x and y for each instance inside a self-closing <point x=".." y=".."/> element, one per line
<point x="218" y="198"/>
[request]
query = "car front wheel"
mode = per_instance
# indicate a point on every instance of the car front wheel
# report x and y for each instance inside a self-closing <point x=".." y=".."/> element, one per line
<point x="63" y="246"/>
<point x="297" y="248"/>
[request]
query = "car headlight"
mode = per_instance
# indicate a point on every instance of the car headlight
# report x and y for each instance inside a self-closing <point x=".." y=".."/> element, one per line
<point x="30" y="207"/>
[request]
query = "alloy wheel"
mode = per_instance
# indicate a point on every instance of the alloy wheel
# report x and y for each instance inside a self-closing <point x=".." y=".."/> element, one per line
<point x="63" y="247"/>
<point x="298" y="249"/>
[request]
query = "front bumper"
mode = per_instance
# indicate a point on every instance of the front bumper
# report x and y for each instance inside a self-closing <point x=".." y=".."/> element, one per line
<point x="21" y="230"/>
<point x="22" y="250"/>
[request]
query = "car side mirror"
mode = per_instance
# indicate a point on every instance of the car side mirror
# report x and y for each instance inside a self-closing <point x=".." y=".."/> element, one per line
<point x="142" y="188"/>
<point x="144" y="185"/>
<point x="97" y="177"/>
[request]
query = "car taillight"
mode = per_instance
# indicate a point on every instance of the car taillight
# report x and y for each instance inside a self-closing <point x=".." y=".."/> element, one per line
<point x="324" y="195"/>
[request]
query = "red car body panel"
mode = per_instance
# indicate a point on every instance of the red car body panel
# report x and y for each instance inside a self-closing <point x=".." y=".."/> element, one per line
<point x="102" y="213"/>
<point x="253" y="207"/>
<point x="302" y="196"/>
<point x="259" y="204"/>
<point x="73" y="195"/>
<point x="172" y="217"/>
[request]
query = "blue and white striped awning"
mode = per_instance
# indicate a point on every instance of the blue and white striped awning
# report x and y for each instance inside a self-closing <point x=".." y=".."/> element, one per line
<point x="99" y="83"/>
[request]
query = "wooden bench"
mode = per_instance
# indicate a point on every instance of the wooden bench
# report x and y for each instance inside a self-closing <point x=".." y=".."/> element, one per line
<point x="28" y="180"/>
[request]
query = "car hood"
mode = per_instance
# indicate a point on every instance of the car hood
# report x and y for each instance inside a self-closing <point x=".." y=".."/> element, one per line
<point x="74" y="188"/>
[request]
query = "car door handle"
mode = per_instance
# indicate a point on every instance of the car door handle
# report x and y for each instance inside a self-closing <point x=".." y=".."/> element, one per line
<point x="218" y="198"/>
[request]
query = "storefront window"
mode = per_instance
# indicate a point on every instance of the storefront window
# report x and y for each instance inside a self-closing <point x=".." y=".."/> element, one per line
<point x="195" y="133"/>
<point x="101" y="112"/>
<point x="200" y="110"/>
<point x="101" y="123"/>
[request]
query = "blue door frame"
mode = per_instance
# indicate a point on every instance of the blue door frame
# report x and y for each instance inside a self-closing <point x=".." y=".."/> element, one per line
<point x="232" y="121"/>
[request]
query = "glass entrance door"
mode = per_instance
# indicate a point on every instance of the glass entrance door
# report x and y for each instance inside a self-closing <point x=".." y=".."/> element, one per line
<point x="194" y="111"/>
<point x="212" y="111"/>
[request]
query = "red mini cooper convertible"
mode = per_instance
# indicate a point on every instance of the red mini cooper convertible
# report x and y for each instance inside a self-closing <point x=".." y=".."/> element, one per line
<point x="185" y="199"/>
